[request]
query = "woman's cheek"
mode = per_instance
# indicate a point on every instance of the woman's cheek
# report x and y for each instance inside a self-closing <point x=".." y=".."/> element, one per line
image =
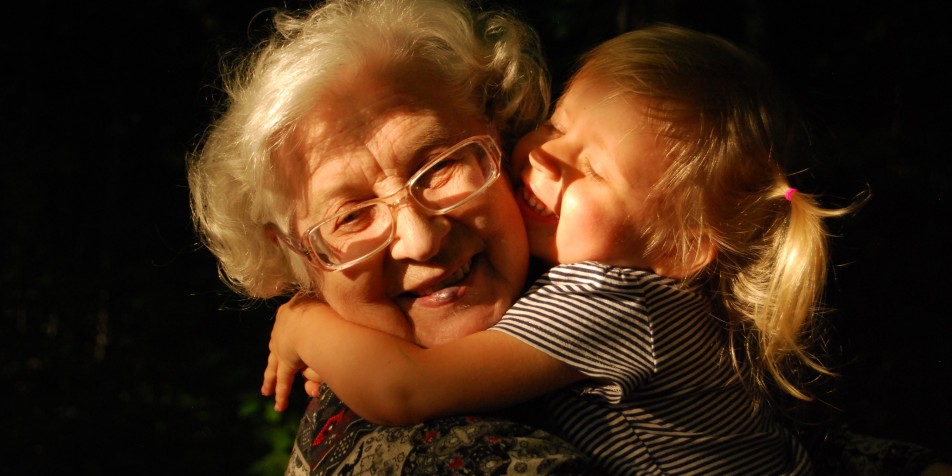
<point x="360" y="297"/>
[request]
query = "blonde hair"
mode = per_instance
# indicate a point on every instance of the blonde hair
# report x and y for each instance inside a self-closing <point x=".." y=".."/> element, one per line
<point x="490" y="59"/>
<point x="726" y="127"/>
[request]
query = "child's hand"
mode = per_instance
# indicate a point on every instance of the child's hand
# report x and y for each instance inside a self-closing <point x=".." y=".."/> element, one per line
<point x="284" y="360"/>
<point x="279" y="384"/>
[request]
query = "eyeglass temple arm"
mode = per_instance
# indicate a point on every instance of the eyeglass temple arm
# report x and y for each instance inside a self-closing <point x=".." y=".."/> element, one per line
<point x="291" y="244"/>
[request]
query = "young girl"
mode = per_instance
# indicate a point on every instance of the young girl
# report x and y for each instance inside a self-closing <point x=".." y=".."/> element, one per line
<point x="695" y="270"/>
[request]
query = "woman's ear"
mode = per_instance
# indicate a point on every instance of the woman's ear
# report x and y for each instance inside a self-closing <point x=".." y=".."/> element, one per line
<point x="693" y="262"/>
<point x="270" y="233"/>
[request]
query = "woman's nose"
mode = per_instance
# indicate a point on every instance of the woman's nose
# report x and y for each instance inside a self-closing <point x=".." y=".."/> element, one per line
<point x="418" y="235"/>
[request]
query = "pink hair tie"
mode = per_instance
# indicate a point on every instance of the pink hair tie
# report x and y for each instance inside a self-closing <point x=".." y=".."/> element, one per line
<point x="789" y="193"/>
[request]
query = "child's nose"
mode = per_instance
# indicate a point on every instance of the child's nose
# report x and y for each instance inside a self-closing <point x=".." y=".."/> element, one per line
<point x="544" y="162"/>
<point x="529" y="143"/>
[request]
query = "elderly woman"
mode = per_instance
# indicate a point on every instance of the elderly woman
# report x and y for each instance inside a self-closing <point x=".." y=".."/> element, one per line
<point x="359" y="160"/>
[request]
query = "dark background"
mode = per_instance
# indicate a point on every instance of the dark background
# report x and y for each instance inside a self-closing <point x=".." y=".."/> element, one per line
<point x="122" y="351"/>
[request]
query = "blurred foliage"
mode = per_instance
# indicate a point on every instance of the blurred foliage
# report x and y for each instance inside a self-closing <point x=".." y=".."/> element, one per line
<point x="123" y="352"/>
<point x="278" y="430"/>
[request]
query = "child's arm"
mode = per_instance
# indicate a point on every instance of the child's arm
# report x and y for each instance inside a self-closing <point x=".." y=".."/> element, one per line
<point x="388" y="380"/>
<point x="281" y="369"/>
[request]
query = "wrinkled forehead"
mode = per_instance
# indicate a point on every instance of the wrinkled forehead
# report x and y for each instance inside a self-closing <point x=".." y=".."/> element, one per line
<point x="366" y="129"/>
<point x="383" y="132"/>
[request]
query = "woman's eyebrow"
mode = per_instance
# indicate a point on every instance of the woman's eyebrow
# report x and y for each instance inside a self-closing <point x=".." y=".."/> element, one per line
<point x="434" y="137"/>
<point x="412" y="147"/>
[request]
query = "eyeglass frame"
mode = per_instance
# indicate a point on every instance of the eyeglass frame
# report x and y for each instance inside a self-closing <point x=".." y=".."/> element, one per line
<point x="304" y="248"/>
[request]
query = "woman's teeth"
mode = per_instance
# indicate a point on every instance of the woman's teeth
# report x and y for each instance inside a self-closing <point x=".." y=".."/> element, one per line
<point x="454" y="278"/>
<point x="536" y="205"/>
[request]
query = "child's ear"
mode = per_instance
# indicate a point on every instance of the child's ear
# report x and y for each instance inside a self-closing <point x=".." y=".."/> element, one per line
<point x="671" y="267"/>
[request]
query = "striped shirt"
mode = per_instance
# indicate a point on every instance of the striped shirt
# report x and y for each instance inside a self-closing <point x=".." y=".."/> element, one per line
<point x="662" y="397"/>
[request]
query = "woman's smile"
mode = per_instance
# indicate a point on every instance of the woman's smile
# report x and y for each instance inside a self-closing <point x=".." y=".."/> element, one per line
<point x="443" y="289"/>
<point x="455" y="278"/>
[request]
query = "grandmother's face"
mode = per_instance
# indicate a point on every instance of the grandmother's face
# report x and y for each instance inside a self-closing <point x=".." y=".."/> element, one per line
<point x="443" y="276"/>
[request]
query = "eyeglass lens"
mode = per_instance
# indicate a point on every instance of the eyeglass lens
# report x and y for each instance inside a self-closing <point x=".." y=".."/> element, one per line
<point x="438" y="188"/>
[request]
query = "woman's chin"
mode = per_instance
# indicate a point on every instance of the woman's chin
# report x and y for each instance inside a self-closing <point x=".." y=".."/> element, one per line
<point x="471" y="321"/>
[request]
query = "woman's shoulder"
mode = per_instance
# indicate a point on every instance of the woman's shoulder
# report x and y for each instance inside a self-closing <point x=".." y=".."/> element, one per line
<point x="332" y="439"/>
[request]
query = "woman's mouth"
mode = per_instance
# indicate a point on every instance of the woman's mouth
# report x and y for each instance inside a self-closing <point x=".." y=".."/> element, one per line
<point x="457" y="277"/>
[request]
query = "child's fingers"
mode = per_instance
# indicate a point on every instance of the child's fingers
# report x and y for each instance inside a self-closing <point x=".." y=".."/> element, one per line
<point x="311" y="375"/>
<point x="285" y="378"/>
<point x="313" y="389"/>
<point x="270" y="375"/>
<point x="278" y="380"/>
<point x="312" y="382"/>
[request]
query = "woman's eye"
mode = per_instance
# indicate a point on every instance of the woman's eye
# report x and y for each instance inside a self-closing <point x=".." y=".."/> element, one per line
<point x="440" y="173"/>
<point x="354" y="220"/>
<point x="348" y="217"/>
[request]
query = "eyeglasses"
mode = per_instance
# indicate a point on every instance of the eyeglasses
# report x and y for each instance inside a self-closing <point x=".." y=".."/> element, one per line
<point x="439" y="187"/>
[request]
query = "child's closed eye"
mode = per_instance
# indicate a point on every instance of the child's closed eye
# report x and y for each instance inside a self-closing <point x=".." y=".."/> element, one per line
<point x="586" y="168"/>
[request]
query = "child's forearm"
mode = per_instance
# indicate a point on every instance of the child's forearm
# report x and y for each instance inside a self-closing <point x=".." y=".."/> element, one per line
<point x="310" y="334"/>
<point x="390" y="381"/>
<point x="368" y="369"/>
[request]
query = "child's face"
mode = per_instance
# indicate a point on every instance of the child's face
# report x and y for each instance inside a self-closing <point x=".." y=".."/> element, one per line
<point x="585" y="176"/>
